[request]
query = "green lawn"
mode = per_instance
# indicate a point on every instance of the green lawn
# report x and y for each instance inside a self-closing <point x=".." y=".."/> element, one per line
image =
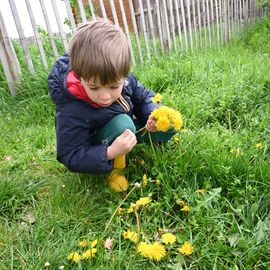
<point x="218" y="166"/>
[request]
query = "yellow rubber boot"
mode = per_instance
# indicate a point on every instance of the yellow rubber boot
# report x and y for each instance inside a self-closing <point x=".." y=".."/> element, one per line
<point x="116" y="181"/>
<point x="120" y="162"/>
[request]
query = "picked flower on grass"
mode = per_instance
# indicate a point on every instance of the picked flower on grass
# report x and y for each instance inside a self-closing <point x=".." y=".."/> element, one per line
<point x="89" y="253"/>
<point x="157" y="98"/>
<point x="185" y="209"/>
<point x="143" y="201"/>
<point x="155" y="251"/>
<point x="168" y="238"/>
<point x="186" y="248"/>
<point x="108" y="243"/>
<point x="74" y="257"/>
<point x="130" y="235"/>
<point x="145" y="180"/>
<point x="167" y="118"/>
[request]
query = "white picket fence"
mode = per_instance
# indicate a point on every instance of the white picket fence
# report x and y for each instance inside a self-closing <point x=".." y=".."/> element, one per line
<point x="154" y="26"/>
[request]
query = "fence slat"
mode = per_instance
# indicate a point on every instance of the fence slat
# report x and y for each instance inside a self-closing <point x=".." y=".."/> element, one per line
<point x="217" y="21"/>
<point x="70" y="15"/>
<point x="22" y="36"/>
<point x="36" y="33"/>
<point x="151" y="24"/>
<point x="194" y="23"/>
<point x="159" y="25"/>
<point x="60" y="27"/>
<point x="135" y="29"/>
<point x="114" y="12"/>
<point x="184" y="24"/>
<point x="144" y="29"/>
<point x="126" y="30"/>
<point x="92" y="10"/>
<point x="172" y="23"/>
<point x="178" y="23"/>
<point x="189" y="25"/>
<point x="165" y="26"/>
<point x="82" y="11"/>
<point x="48" y="26"/>
<point x="103" y="10"/>
<point x="8" y="58"/>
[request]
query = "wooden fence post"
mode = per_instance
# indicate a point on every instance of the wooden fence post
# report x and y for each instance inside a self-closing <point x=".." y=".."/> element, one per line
<point x="8" y="58"/>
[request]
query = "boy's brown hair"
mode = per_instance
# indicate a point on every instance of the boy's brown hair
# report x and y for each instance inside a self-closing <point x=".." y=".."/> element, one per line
<point x="99" y="50"/>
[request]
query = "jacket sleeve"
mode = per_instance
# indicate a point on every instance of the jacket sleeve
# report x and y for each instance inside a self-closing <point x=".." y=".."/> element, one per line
<point x="74" y="148"/>
<point x="142" y="100"/>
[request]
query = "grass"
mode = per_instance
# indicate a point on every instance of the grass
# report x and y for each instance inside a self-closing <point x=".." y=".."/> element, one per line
<point x="224" y="149"/>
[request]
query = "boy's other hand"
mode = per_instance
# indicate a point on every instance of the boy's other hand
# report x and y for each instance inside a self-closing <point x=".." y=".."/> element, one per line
<point x="151" y="124"/>
<point x="122" y="145"/>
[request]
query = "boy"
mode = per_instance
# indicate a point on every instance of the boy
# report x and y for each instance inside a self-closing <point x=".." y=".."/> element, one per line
<point x="96" y="100"/>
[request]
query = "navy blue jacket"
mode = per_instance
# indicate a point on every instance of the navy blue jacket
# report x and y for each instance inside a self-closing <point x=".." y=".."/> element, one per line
<point x="77" y="119"/>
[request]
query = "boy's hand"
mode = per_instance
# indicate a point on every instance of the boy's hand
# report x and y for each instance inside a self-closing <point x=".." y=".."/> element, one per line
<point x="151" y="124"/>
<point x="122" y="145"/>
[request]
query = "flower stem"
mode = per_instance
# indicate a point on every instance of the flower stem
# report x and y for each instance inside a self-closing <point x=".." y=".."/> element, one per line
<point x="116" y="210"/>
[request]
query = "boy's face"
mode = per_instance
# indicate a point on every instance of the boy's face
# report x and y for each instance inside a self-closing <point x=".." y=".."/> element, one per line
<point x="103" y="95"/>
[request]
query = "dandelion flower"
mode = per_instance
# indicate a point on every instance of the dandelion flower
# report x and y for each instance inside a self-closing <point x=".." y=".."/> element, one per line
<point x="144" y="181"/>
<point x="155" y="251"/>
<point x="185" y="209"/>
<point x="83" y="243"/>
<point x="143" y="201"/>
<point x="130" y="235"/>
<point x="158" y="251"/>
<point x="89" y="253"/>
<point x="258" y="145"/>
<point x="168" y="238"/>
<point x="186" y="248"/>
<point x="181" y="202"/>
<point x="94" y="243"/>
<point x="162" y="123"/>
<point x="74" y="257"/>
<point x="157" y="98"/>
<point x="142" y="162"/>
<point x="131" y="207"/>
<point x="157" y="182"/>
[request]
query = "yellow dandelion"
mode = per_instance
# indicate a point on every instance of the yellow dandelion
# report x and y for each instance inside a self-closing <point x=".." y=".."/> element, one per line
<point x="168" y="238"/>
<point x="162" y="124"/>
<point x="186" y="248"/>
<point x="258" y="145"/>
<point x="74" y="257"/>
<point x="143" y="201"/>
<point x="185" y="209"/>
<point x="131" y="207"/>
<point x="93" y="243"/>
<point x="144" y="249"/>
<point x="142" y="162"/>
<point x="155" y="251"/>
<point x="130" y="235"/>
<point x="157" y="98"/>
<point x="158" y="251"/>
<point x="181" y="202"/>
<point x="144" y="181"/>
<point x="200" y="191"/>
<point x="89" y="253"/>
<point x="157" y="182"/>
<point x="83" y="243"/>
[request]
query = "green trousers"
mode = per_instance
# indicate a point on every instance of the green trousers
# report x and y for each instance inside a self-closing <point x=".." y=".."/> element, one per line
<point x="121" y="122"/>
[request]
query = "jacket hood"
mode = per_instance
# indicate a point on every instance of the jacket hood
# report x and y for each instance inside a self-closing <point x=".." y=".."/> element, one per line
<point x="57" y="80"/>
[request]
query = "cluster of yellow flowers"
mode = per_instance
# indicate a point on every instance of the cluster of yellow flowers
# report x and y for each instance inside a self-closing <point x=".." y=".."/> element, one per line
<point x="87" y="254"/>
<point x="167" y="118"/>
<point x="156" y="251"/>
